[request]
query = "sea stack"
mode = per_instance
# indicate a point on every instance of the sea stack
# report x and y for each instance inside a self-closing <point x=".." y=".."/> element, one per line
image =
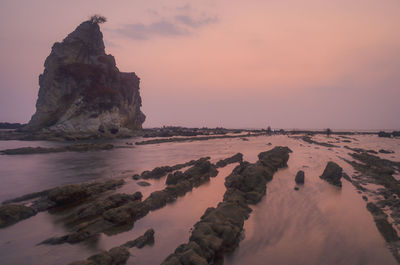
<point x="83" y="93"/>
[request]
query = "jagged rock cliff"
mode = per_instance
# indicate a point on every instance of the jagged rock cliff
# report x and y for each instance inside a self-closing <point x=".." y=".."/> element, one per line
<point x="83" y="92"/>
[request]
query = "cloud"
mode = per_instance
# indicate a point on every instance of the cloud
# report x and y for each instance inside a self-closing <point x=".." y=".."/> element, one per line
<point x="175" y="26"/>
<point x="185" y="7"/>
<point x="141" y="31"/>
<point x="193" y="23"/>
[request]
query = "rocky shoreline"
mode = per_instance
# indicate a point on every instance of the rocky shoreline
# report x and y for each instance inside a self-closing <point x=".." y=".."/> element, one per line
<point x="383" y="203"/>
<point x="219" y="229"/>
<point x="83" y="147"/>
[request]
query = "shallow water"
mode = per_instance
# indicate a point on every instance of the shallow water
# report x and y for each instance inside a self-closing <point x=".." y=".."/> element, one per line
<point x="319" y="224"/>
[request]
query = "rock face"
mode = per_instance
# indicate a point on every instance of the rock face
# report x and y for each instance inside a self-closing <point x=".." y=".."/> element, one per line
<point x="83" y="92"/>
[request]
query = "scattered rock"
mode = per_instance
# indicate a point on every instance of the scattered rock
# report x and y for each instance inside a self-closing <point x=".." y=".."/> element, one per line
<point x="299" y="177"/>
<point x="146" y="239"/>
<point x="332" y="174"/>
<point x="13" y="213"/>
<point x="383" y="151"/>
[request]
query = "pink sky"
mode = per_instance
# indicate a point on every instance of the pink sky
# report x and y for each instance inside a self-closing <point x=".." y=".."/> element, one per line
<point x="287" y="64"/>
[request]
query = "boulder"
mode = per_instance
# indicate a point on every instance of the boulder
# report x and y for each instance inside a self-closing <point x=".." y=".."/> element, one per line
<point x="332" y="174"/>
<point x="299" y="177"/>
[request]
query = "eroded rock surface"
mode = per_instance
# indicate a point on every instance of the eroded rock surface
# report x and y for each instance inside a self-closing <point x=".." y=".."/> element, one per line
<point x="159" y="172"/>
<point x="219" y="229"/>
<point x="52" y="198"/>
<point x="115" y="256"/>
<point x="233" y="159"/>
<point x="82" y="92"/>
<point x="146" y="239"/>
<point x="123" y="216"/>
<point x="69" y="148"/>
<point x="374" y="170"/>
<point x="13" y="213"/>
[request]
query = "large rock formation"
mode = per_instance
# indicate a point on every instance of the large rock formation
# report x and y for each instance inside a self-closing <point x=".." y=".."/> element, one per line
<point x="83" y="92"/>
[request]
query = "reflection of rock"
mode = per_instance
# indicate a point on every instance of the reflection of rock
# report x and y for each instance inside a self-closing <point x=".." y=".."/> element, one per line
<point x="332" y="174"/>
<point x="82" y="92"/>
<point x="299" y="177"/>
<point x="12" y="213"/>
<point x="115" y="256"/>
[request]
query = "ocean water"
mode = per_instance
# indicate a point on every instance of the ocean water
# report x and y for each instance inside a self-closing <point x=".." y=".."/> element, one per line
<point x="318" y="224"/>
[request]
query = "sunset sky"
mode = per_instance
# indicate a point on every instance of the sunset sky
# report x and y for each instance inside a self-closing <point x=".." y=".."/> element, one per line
<point x="287" y="64"/>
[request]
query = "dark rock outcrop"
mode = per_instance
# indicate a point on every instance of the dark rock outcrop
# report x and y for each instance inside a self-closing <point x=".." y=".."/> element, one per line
<point x="146" y="239"/>
<point x="383" y="151"/>
<point x="124" y="216"/>
<point x="118" y="255"/>
<point x="69" y="148"/>
<point x="219" y="229"/>
<point x="384" y="134"/>
<point x="13" y="213"/>
<point x="115" y="256"/>
<point x="10" y="126"/>
<point x="159" y="172"/>
<point x="380" y="218"/>
<point x="61" y="196"/>
<point x="308" y="139"/>
<point x="332" y="174"/>
<point x="299" y="177"/>
<point x="82" y="92"/>
<point x="233" y="159"/>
